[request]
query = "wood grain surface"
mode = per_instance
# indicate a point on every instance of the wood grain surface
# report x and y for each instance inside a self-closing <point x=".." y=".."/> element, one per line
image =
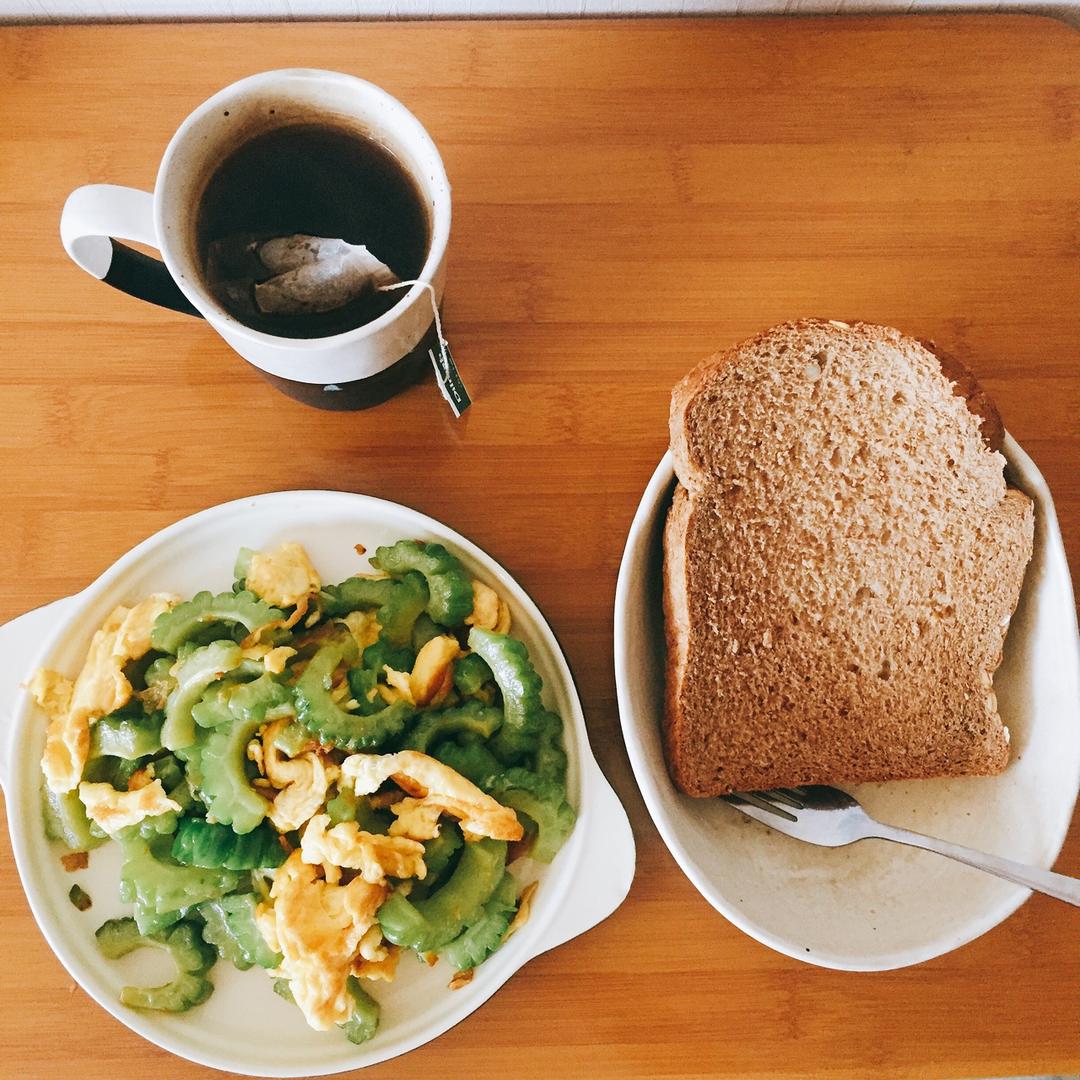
<point x="629" y="197"/>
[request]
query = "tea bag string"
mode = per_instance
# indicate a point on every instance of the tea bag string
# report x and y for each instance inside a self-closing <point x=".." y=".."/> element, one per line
<point x="446" y="373"/>
<point x="434" y="307"/>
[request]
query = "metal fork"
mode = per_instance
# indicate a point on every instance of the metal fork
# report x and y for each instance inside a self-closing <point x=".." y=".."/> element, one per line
<point x="832" y="818"/>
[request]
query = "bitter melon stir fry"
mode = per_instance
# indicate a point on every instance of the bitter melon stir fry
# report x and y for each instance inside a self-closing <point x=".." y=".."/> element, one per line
<point x="310" y="779"/>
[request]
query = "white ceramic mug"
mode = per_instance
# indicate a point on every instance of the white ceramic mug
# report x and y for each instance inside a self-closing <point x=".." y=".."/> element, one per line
<point x="344" y="371"/>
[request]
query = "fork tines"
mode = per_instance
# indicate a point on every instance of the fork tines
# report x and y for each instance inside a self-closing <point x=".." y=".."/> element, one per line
<point x="768" y="800"/>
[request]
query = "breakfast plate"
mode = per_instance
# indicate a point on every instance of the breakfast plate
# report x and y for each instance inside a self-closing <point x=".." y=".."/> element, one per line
<point x="873" y="905"/>
<point x="245" y="1027"/>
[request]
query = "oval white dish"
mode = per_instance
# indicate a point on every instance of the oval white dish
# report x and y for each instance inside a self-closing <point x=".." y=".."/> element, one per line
<point x="245" y="1027"/>
<point x="873" y="905"/>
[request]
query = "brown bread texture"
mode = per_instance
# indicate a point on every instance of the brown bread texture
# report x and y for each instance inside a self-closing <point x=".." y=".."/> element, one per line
<point x="841" y="561"/>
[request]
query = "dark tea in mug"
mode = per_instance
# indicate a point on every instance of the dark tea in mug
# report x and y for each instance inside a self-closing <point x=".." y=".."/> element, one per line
<point x="319" y="180"/>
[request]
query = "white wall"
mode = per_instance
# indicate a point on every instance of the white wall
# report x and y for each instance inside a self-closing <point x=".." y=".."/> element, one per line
<point x="79" y="10"/>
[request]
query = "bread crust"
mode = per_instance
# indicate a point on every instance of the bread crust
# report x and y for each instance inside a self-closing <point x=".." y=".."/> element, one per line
<point x="967" y="386"/>
<point x="859" y="725"/>
<point x="676" y="627"/>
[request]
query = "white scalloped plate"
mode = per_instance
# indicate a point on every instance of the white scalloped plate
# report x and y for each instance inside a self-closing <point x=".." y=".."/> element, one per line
<point x="245" y="1027"/>
<point x="873" y="905"/>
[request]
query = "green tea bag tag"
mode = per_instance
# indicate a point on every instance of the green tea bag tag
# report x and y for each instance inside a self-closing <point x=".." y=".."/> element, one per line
<point x="449" y="379"/>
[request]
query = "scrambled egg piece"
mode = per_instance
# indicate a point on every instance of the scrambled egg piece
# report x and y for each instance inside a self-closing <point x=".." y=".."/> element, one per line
<point x="399" y="684"/>
<point x="133" y="634"/>
<point x="384" y="967"/>
<point x="432" y="676"/>
<point x="283" y="577"/>
<point x="377" y="969"/>
<point x="100" y="688"/>
<point x="254" y="752"/>
<point x="390" y="694"/>
<point x="364" y="628"/>
<point x="377" y="959"/>
<point x="490" y="611"/>
<point x="141" y="778"/>
<point x="438" y="786"/>
<point x="317" y="927"/>
<point x="372" y="945"/>
<point x="375" y="856"/>
<point x="114" y="810"/>
<point x="52" y="692"/>
<point x="67" y="743"/>
<point x="302" y="781"/>
<point x="417" y="818"/>
<point x="273" y="660"/>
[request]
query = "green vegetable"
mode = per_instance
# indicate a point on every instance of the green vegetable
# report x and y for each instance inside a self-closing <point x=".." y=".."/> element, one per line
<point x="248" y="669"/>
<point x="159" y="671"/>
<point x="161" y="889"/>
<point x="474" y="760"/>
<point x="202" y="843"/>
<point x="110" y="770"/>
<point x="160" y="683"/>
<point x="192" y="956"/>
<point x="471" y="672"/>
<point x="204" y="666"/>
<point x="400" y="603"/>
<point x="439" y="856"/>
<point x="517" y="679"/>
<point x="184" y="797"/>
<point x="242" y="564"/>
<point x="174" y="627"/>
<point x="403" y="607"/>
<point x="449" y="586"/>
<point x="474" y="717"/>
<point x="212" y="709"/>
<point x="156" y="825"/>
<point x="439" y="851"/>
<point x="216" y="761"/>
<point x="292" y="738"/>
<point x="433" y="922"/>
<point x="424" y="629"/>
<point x="79" y="897"/>
<point x="126" y="735"/>
<point x="550" y="757"/>
<point x="543" y="800"/>
<point x="482" y="937"/>
<point x="364" y="1021"/>
<point x="328" y="721"/>
<point x="354" y="594"/>
<point x="362" y="684"/>
<point x="382" y="653"/>
<point x="66" y="820"/>
<point x="347" y="806"/>
<point x="231" y="929"/>
<point x="170" y="772"/>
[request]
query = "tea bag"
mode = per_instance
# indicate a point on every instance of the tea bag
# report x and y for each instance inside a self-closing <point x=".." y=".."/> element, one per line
<point x="315" y="274"/>
<point x="294" y="275"/>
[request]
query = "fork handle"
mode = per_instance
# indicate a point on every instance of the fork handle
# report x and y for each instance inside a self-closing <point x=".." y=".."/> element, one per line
<point x="1045" y="881"/>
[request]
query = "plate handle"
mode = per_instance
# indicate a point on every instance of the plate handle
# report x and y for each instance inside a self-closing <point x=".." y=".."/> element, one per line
<point x="20" y="640"/>
<point x="606" y="862"/>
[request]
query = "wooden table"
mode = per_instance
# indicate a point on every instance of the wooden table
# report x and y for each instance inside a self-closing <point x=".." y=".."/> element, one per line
<point x="629" y="197"/>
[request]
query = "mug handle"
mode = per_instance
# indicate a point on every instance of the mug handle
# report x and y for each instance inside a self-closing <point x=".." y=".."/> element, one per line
<point x="95" y="214"/>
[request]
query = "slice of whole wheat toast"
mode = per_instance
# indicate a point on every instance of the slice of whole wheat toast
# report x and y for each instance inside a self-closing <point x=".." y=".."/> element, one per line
<point x="841" y="561"/>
